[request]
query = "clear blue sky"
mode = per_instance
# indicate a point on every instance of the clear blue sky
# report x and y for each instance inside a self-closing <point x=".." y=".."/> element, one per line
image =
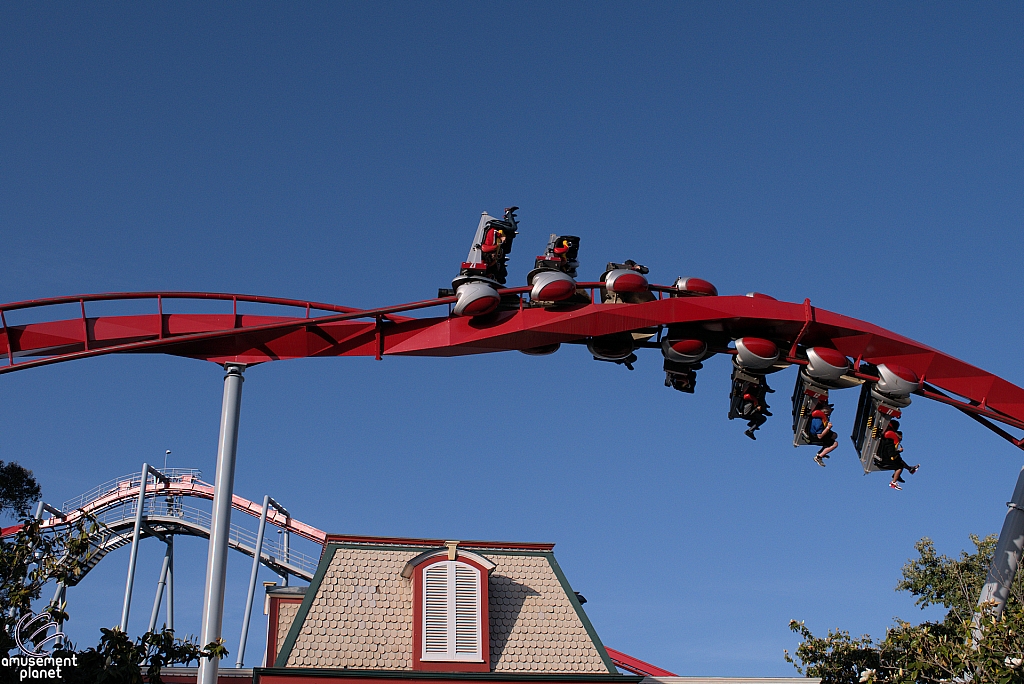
<point x="867" y="156"/>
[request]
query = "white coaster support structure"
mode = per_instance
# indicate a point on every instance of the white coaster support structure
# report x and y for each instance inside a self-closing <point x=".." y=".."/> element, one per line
<point x="133" y="559"/>
<point x="252" y="582"/>
<point x="217" y="561"/>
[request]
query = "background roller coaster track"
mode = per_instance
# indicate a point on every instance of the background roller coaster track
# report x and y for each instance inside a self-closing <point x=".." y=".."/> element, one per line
<point x="251" y="338"/>
<point x="113" y="505"/>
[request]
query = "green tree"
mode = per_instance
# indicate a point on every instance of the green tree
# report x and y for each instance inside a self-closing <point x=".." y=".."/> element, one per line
<point x="939" y="651"/>
<point x="120" y="660"/>
<point x="18" y="490"/>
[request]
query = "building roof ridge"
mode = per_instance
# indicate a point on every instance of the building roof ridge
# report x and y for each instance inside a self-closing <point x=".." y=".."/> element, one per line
<point x="437" y="543"/>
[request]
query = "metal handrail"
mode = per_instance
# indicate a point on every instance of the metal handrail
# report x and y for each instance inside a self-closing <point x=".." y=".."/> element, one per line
<point x="127" y="482"/>
<point x="217" y="296"/>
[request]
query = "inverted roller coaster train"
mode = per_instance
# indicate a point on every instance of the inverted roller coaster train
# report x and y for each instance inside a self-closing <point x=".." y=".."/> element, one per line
<point x="615" y="316"/>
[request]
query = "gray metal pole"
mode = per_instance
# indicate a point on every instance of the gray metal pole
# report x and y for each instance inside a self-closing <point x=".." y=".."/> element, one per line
<point x="135" y="549"/>
<point x="223" y="488"/>
<point x="160" y="589"/>
<point x="252" y="582"/>
<point x="58" y="599"/>
<point x="1006" y="559"/>
<point x="284" y="554"/>
<point x="285" y="538"/>
<point x="170" y="583"/>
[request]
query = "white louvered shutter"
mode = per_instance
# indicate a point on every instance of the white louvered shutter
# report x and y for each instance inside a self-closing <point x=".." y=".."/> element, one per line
<point x="467" y="610"/>
<point x="435" y="610"/>
<point x="451" y="612"/>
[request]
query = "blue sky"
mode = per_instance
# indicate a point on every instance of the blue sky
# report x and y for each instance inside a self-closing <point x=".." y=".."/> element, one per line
<point x="866" y="156"/>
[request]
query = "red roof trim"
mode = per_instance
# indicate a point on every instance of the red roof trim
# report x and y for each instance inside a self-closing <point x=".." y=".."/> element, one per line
<point x="628" y="662"/>
<point x="408" y="541"/>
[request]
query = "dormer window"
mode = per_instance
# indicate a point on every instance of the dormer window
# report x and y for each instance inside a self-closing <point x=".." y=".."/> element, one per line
<point x="451" y="612"/>
<point x="450" y="628"/>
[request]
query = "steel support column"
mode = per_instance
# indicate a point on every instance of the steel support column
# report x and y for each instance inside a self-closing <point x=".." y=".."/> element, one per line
<point x="1006" y="559"/>
<point x="126" y="607"/>
<point x="285" y="539"/>
<point x="160" y="589"/>
<point x="252" y="582"/>
<point x="220" y="528"/>
<point x="58" y="601"/>
<point x="170" y="583"/>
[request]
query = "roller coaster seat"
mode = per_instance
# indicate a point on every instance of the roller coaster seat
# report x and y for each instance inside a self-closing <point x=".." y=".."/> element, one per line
<point x="492" y="243"/>
<point x="747" y="397"/>
<point x="888" y="456"/>
<point x="609" y="296"/>
<point x="496" y="246"/>
<point x="681" y="376"/>
<point x="561" y="254"/>
<point x="554" y="272"/>
<point x="875" y="412"/>
<point x="808" y="397"/>
<point x="814" y="428"/>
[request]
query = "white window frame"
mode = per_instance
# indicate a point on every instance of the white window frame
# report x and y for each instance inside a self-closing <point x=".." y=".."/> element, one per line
<point x="451" y="654"/>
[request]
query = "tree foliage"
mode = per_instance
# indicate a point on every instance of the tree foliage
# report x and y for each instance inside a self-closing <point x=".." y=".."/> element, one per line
<point x="930" y="652"/>
<point x="29" y="560"/>
<point x="18" y="490"/>
<point x="120" y="660"/>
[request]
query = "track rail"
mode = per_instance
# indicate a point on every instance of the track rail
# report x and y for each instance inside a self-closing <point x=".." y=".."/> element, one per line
<point x="344" y="331"/>
<point x="113" y="506"/>
<point x="124" y="491"/>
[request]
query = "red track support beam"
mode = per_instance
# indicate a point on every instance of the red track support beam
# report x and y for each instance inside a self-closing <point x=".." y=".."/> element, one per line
<point x="345" y="331"/>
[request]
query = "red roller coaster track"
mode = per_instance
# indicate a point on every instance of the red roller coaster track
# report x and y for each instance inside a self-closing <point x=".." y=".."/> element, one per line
<point x="343" y="331"/>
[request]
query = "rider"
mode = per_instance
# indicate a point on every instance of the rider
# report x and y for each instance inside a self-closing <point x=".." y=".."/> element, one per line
<point x="494" y="250"/>
<point x="753" y="406"/>
<point x="821" y="433"/>
<point x="562" y="248"/>
<point x="680" y="376"/>
<point x="890" y="456"/>
<point x="493" y="239"/>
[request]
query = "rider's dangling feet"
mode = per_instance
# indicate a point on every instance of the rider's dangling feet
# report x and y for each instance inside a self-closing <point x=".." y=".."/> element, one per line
<point x="817" y="459"/>
<point x="914" y="468"/>
<point x="895" y="485"/>
<point x="750" y="433"/>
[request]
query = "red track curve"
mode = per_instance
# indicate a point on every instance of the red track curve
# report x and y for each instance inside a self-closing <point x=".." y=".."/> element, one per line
<point x="248" y="338"/>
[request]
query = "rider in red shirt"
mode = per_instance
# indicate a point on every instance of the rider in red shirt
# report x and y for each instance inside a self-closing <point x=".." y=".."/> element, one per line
<point x="892" y="460"/>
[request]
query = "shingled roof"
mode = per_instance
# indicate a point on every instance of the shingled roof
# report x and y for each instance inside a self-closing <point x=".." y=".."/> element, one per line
<point x="358" y="612"/>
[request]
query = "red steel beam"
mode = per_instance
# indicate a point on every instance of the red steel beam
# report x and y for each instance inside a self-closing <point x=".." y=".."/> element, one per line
<point x="256" y="339"/>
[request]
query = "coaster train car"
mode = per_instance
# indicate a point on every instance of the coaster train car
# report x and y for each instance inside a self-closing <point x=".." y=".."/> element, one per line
<point x="552" y="283"/>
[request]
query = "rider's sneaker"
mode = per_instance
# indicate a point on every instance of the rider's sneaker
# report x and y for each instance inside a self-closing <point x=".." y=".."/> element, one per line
<point x="895" y="485"/>
<point x="914" y="469"/>
<point x="750" y="434"/>
<point x="817" y="459"/>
